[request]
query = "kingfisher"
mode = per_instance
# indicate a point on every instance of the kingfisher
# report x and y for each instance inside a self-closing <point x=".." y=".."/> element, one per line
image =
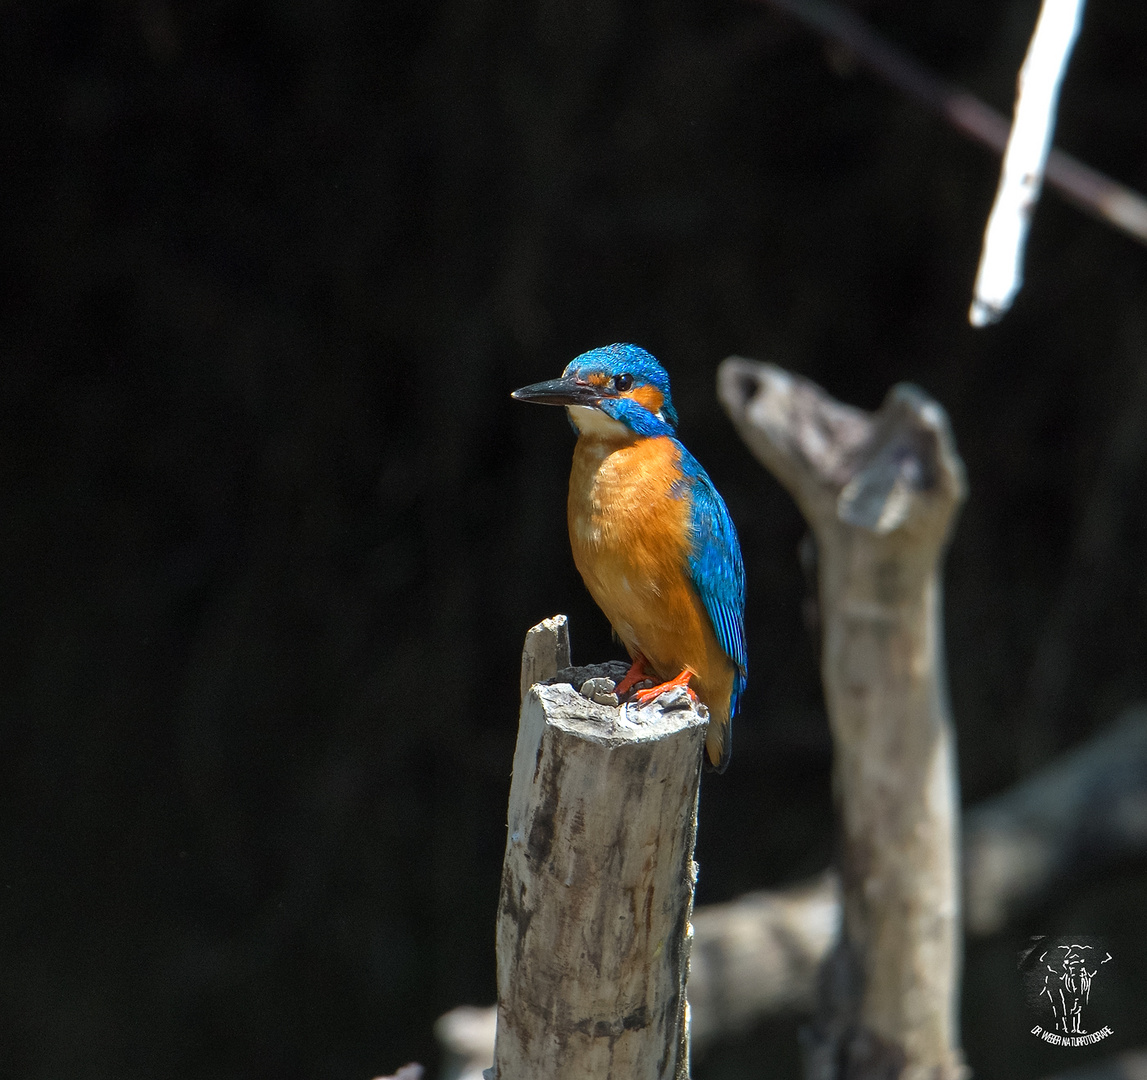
<point x="651" y="537"/>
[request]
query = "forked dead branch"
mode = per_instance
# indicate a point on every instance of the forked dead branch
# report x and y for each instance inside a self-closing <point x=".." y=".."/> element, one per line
<point x="880" y="492"/>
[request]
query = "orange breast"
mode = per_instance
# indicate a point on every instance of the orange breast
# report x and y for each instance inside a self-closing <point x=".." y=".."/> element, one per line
<point x="631" y="537"/>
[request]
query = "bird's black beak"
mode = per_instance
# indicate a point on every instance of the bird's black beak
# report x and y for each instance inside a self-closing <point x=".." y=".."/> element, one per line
<point x="565" y="391"/>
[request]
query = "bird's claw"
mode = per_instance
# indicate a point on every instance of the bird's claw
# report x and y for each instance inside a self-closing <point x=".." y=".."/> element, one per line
<point x="644" y="697"/>
<point x="633" y="676"/>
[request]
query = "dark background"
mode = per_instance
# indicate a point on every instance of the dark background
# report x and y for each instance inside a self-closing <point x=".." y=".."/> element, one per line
<point x="273" y="530"/>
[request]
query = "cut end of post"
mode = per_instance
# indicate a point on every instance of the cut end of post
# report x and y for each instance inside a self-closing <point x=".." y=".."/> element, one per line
<point x="546" y="651"/>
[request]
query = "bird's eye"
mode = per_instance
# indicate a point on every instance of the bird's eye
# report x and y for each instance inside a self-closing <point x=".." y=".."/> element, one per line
<point x="621" y="383"/>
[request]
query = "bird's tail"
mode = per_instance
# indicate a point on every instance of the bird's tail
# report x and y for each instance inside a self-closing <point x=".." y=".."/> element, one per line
<point x="718" y="742"/>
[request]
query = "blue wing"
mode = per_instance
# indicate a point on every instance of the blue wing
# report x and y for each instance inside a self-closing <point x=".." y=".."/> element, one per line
<point x="717" y="570"/>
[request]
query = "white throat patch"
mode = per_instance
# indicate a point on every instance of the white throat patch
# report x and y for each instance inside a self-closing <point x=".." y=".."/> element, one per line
<point x="593" y="422"/>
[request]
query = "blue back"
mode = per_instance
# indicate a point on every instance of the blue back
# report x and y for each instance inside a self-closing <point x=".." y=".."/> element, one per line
<point x="717" y="570"/>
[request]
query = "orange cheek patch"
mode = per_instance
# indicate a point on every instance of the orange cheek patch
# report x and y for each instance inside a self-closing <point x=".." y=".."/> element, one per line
<point x="597" y="379"/>
<point x="648" y="397"/>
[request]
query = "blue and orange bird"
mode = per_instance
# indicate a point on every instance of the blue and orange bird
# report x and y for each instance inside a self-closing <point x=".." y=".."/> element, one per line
<point x="651" y="537"/>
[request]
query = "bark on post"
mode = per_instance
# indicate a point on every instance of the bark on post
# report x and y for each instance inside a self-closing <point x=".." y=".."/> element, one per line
<point x="880" y="492"/>
<point x="597" y="887"/>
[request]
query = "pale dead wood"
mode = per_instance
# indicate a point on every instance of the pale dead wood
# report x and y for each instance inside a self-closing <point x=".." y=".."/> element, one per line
<point x="753" y="957"/>
<point x="1000" y="272"/>
<point x="880" y="492"/>
<point x="757" y="956"/>
<point x="1083" y="186"/>
<point x="597" y="885"/>
<point x="1085" y="810"/>
<point x="546" y="651"/>
<point x="466" y="1036"/>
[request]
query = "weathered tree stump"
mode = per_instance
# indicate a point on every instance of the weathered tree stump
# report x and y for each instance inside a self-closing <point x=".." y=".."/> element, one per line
<point x="880" y="492"/>
<point x="597" y="885"/>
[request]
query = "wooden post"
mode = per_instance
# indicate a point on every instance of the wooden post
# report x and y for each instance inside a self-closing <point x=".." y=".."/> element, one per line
<point x="597" y="886"/>
<point x="880" y="492"/>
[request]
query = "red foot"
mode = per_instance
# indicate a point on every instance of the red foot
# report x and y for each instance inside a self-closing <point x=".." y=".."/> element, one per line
<point x="633" y="676"/>
<point x="644" y="697"/>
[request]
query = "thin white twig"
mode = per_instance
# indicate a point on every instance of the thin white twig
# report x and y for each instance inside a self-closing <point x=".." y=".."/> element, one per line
<point x="1001" y="261"/>
<point x="1080" y="184"/>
